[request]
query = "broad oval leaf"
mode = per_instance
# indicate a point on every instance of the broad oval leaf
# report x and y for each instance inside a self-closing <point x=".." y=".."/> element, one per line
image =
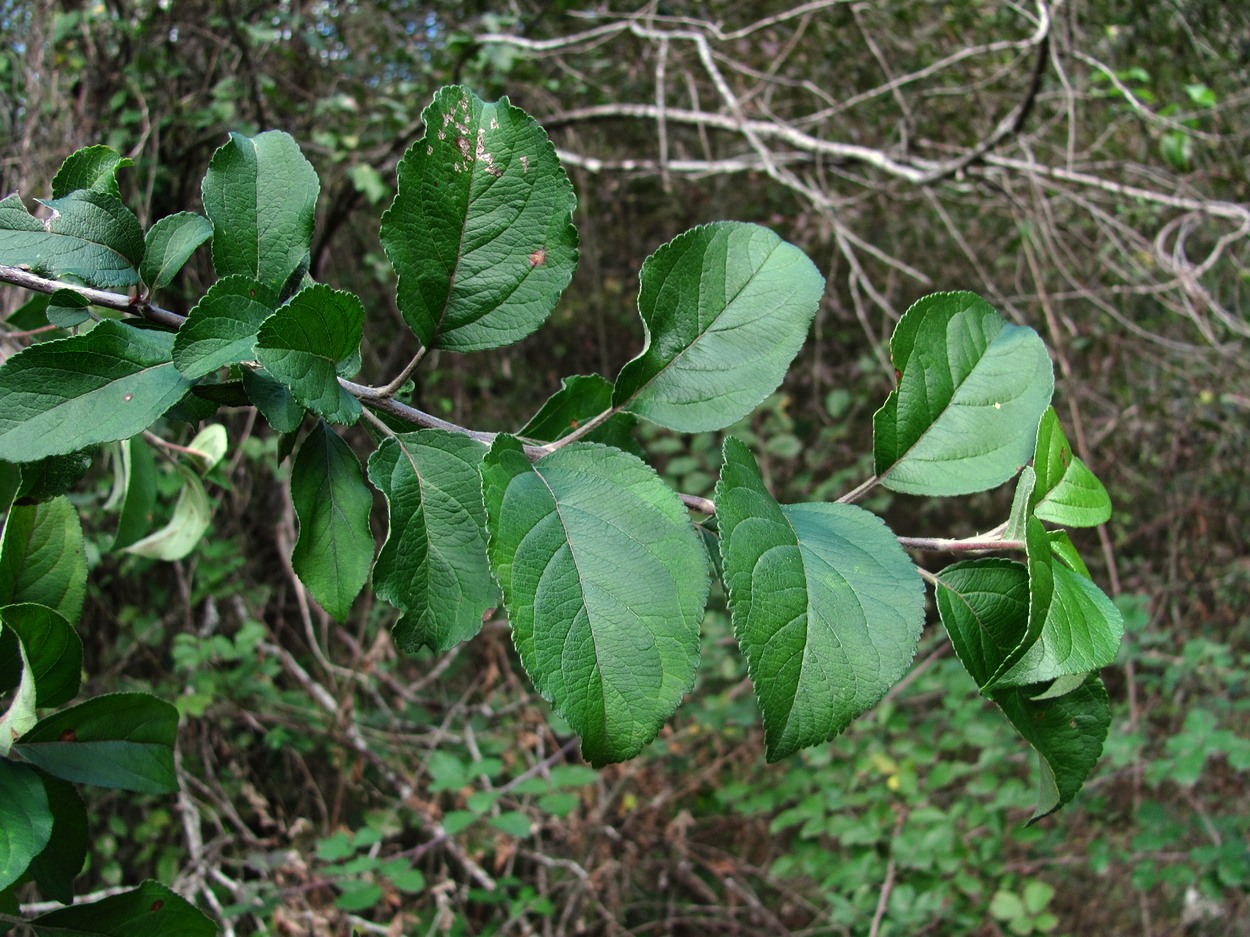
<point x="191" y="517"/>
<point x="92" y="167"/>
<point x="260" y="194"/>
<point x="1066" y="492"/>
<point x="273" y="399"/>
<point x="433" y="566"/>
<point x="303" y="343"/>
<point x="971" y="392"/>
<point x="169" y="244"/>
<point x="984" y="606"/>
<point x="67" y="308"/>
<point x="604" y="580"/>
<point x="121" y="740"/>
<point x="826" y="605"/>
<point x="90" y="236"/>
<point x="1068" y="733"/>
<point x="221" y="328"/>
<point x="481" y="231"/>
<point x="55" y="869"/>
<point x="25" y="820"/>
<point x="332" y="502"/>
<point x="726" y="307"/>
<point x="42" y="558"/>
<point x="149" y="909"/>
<point x="111" y="383"/>
<point x="53" y="651"/>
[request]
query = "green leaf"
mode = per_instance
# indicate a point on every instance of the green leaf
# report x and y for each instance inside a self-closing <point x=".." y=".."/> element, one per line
<point x="169" y="245"/>
<point x="137" y="474"/>
<point x="971" y="392"/>
<point x="984" y="606"/>
<point x="60" y="396"/>
<point x="272" y="398"/>
<point x="55" y="869"/>
<point x="1066" y="492"/>
<point x="825" y="604"/>
<point x="20" y="715"/>
<point x="303" y="342"/>
<point x="42" y="559"/>
<point x="260" y="194"/>
<point x="89" y="236"/>
<point x="191" y="517"/>
<point x="725" y="307"/>
<point x="149" y="909"/>
<point x="605" y="582"/>
<point x="433" y="566"/>
<point x="1065" y="551"/>
<point x="53" y="651"/>
<point x="1081" y="633"/>
<point x="94" y="168"/>
<point x="580" y="398"/>
<point x="25" y="819"/>
<point x="122" y="740"/>
<point x="1068" y="733"/>
<point x="332" y="502"/>
<point x="358" y="896"/>
<point x="53" y="476"/>
<point x="514" y="823"/>
<point x="481" y="230"/>
<point x="221" y="328"/>
<point x="67" y="309"/>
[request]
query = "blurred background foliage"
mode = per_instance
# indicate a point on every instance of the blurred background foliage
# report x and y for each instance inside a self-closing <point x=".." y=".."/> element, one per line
<point x="1082" y="164"/>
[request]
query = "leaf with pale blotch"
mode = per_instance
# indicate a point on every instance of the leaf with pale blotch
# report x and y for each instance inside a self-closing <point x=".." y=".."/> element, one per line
<point x="332" y="502"/>
<point x="604" y="580"/>
<point x="111" y="383"/>
<point x="221" y="328"/>
<point x="971" y="390"/>
<point x="260" y="194"/>
<point x="1066" y="491"/>
<point x="726" y="307"/>
<point x="43" y="559"/>
<point x="92" y="167"/>
<point x="169" y="244"/>
<point x="481" y="230"/>
<point x="303" y="343"/>
<point x="121" y="740"/>
<point x="89" y="236"/>
<point x="433" y="565"/>
<point x="25" y="819"/>
<point x="186" y="527"/>
<point x="826" y="605"/>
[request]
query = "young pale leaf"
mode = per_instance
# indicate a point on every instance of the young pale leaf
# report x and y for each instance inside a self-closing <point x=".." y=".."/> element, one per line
<point x="122" y="740"/>
<point x="725" y="307"/>
<point x="581" y="398"/>
<point x="970" y="394"/>
<point x="137" y="471"/>
<point x="42" y="558"/>
<point x="25" y="819"/>
<point x="67" y="309"/>
<point x="826" y="605"/>
<point x="332" y="502"/>
<point x="92" y="167"/>
<point x="20" y="716"/>
<point x="52" y="648"/>
<point x="274" y="401"/>
<point x="191" y="517"/>
<point x="1082" y="633"/>
<point x="90" y="236"/>
<point x="1066" y="492"/>
<point x="221" y="328"/>
<point x="260" y="194"/>
<point x="604" y="580"/>
<point x="1068" y="733"/>
<point x="61" y="396"/>
<point x="303" y="342"/>
<point x="433" y="565"/>
<point x="169" y="245"/>
<point x="149" y="909"/>
<point x="209" y="447"/>
<point x="481" y="230"/>
<point x="55" y="869"/>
